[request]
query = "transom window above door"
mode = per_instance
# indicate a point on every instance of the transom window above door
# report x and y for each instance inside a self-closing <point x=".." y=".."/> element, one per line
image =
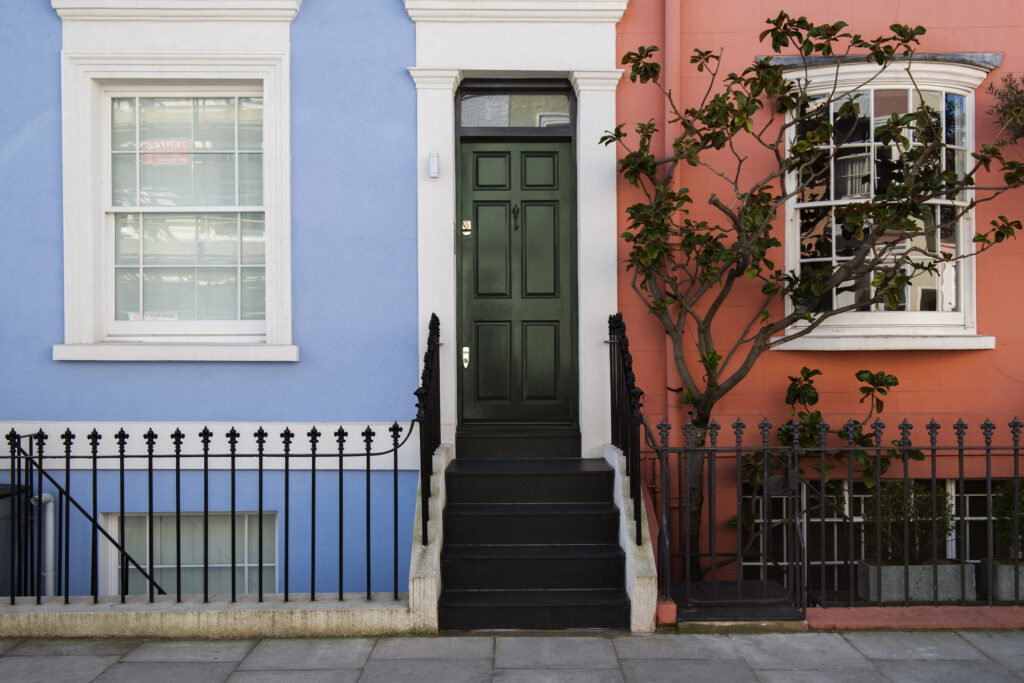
<point x="515" y="108"/>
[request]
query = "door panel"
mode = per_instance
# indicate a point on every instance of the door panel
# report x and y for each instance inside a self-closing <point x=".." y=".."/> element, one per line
<point x="517" y="288"/>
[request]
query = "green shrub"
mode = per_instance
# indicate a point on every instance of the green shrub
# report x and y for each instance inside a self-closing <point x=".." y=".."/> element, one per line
<point x="916" y="508"/>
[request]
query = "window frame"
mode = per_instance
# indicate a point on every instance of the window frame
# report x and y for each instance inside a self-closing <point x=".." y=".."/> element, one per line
<point x="138" y="45"/>
<point x="894" y="330"/>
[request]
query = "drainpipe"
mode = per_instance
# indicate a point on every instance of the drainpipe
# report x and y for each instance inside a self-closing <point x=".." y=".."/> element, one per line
<point x="48" y="574"/>
<point x="670" y="78"/>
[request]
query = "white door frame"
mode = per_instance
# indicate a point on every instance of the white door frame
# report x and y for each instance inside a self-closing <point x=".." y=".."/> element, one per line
<point x="572" y="39"/>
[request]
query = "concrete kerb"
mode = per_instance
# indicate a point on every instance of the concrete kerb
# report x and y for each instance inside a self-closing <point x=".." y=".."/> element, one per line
<point x="413" y="613"/>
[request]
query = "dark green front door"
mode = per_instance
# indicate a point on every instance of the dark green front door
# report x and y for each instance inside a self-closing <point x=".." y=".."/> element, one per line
<point x="516" y="236"/>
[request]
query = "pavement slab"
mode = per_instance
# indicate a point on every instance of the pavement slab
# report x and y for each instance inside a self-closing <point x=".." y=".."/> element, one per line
<point x="821" y="677"/>
<point x="949" y="671"/>
<point x="587" y="652"/>
<point x="916" y="645"/>
<point x="434" y="648"/>
<point x="166" y="672"/>
<point x="799" y="652"/>
<point x="427" y="671"/>
<point x="663" y="646"/>
<point x="557" y="676"/>
<point x="297" y="654"/>
<point x="675" y="670"/>
<point x="68" y="669"/>
<point x="191" y="651"/>
<point x="336" y="676"/>
<point x="65" y="647"/>
<point x="7" y="644"/>
<point x="1005" y="647"/>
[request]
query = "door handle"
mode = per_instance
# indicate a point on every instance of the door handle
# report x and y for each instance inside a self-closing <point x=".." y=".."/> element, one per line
<point x="465" y="356"/>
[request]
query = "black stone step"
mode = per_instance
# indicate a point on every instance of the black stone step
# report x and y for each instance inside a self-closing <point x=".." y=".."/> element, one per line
<point x="466" y="610"/>
<point x="473" y="447"/>
<point x="530" y="523"/>
<point x="532" y="480"/>
<point x="532" y="566"/>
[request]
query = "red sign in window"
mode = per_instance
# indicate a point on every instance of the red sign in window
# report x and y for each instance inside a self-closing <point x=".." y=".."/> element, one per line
<point x="168" y="152"/>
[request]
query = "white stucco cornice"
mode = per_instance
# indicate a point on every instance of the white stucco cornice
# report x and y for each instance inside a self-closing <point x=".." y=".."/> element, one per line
<point x="576" y="11"/>
<point x="176" y="10"/>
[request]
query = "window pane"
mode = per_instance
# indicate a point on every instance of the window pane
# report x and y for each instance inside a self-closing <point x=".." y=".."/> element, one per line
<point x="815" y="233"/>
<point x="126" y="239"/>
<point x="169" y="239"/>
<point x="818" y="115"/>
<point x="216" y="294"/>
<point x="516" y="110"/>
<point x="165" y="179"/>
<point x="126" y="294"/>
<point x="815" y="180"/>
<point x="853" y="172"/>
<point x="254" y="294"/>
<point x="122" y="170"/>
<point x="122" y="123"/>
<point x="250" y="123"/>
<point x="214" y="179"/>
<point x="252" y="238"/>
<point x="850" y="121"/>
<point x="269" y="529"/>
<point x="888" y="167"/>
<point x="932" y="100"/>
<point x="135" y="536"/>
<point x="218" y="239"/>
<point x="853" y="292"/>
<point x="250" y="179"/>
<point x="220" y="539"/>
<point x="889" y="102"/>
<point x="165" y="123"/>
<point x="166" y="539"/>
<point x="168" y="294"/>
<point x="956" y="124"/>
<point x="215" y="123"/>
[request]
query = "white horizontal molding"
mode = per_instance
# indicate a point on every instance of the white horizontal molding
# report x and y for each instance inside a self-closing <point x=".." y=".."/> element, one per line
<point x="895" y="339"/>
<point x="577" y="11"/>
<point x="155" y="351"/>
<point x="136" y="449"/>
<point x="961" y="77"/>
<point x="176" y="10"/>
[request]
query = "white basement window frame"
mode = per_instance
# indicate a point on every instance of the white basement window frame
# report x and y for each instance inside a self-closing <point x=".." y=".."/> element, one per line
<point x="168" y="46"/>
<point x="898" y="330"/>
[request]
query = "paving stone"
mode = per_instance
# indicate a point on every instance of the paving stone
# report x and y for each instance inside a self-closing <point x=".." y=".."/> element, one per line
<point x="683" y="646"/>
<point x="917" y="645"/>
<point x="799" y="652"/>
<point x="820" y="677"/>
<point x="943" y="671"/>
<point x="335" y="676"/>
<point x="68" y="646"/>
<point x="298" y="654"/>
<point x="48" y="669"/>
<point x="434" y="648"/>
<point x="675" y="670"/>
<point x="557" y="676"/>
<point x="191" y="651"/>
<point x="6" y="645"/>
<point x="1006" y="647"/>
<point x="555" y="653"/>
<point x="167" y="672"/>
<point x="427" y="671"/>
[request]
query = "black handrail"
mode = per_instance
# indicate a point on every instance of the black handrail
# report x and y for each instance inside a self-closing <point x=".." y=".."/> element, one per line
<point x="626" y="415"/>
<point x="428" y="415"/>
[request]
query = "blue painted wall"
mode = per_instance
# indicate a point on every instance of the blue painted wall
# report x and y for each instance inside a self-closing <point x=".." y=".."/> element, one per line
<point x="353" y="239"/>
<point x="352" y="506"/>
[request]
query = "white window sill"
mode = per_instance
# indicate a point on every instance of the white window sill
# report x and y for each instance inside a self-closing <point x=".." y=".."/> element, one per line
<point x="148" y="351"/>
<point x="900" y="339"/>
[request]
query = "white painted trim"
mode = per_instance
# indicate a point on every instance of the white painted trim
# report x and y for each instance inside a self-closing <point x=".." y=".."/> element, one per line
<point x="873" y="339"/>
<point x="185" y="351"/>
<point x="577" y="11"/>
<point x="182" y="10"/>
<point x="100" y="54"/>
<point x="572" y="39"/>
<point x="192" y="448"/>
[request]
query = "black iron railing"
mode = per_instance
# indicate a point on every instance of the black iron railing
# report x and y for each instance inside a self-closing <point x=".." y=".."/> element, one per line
<point x="247" y="504"/>
<point x="848" y="517"/>
<point x="626" y="416"/>
<point x="428" y="415"/>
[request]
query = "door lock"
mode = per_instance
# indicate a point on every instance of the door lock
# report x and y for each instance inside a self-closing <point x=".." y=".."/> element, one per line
<point x="467" y="228"/>
<point x="465" y="356"/>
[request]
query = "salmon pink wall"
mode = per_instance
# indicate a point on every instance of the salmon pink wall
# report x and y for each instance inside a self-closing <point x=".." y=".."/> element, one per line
<point x="944" y="384"/>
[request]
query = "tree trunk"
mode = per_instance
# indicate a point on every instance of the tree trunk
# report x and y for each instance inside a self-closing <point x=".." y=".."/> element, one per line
<point x="695" y="488"/>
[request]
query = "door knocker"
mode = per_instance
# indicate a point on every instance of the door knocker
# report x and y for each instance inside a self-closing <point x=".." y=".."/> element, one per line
<point x="515" y="217"/>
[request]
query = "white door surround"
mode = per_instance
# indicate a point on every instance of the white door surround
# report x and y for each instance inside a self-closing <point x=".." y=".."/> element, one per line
<point x="571" y="39"/>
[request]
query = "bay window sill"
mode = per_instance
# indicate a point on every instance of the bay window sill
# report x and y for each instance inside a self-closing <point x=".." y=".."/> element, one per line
<point x="156" y="351"/>
<point x="910" y="338"/>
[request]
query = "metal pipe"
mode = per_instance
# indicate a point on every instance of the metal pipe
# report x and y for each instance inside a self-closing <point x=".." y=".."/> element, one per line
<point x="48" y="565"/>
